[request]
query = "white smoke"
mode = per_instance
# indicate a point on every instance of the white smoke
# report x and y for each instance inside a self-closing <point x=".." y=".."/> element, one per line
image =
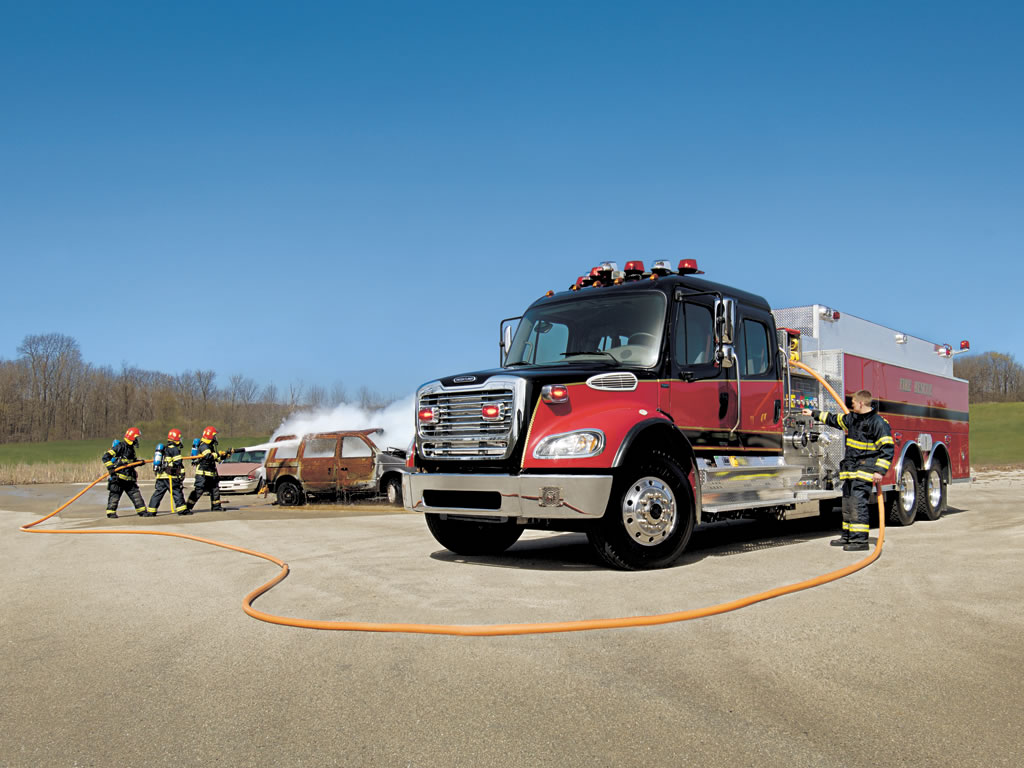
<point x="396" y="420"/>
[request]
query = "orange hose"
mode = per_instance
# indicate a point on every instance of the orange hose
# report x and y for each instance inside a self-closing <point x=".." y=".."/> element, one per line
<point x="482" y="630"/>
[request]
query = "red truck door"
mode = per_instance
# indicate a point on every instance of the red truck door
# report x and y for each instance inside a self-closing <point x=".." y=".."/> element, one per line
<point x="319" y="462"/>
<point x="702" y="397"/>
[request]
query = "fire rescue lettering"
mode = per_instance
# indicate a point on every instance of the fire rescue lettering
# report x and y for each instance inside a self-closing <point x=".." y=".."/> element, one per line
<point x="917" y="387"/>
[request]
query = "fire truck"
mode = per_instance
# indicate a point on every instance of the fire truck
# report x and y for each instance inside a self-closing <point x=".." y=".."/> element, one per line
<point x="639" y="404"/>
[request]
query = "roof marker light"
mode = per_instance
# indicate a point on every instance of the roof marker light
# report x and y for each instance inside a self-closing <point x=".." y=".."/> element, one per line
<point x="662" y="268"/>
<point x="901" y="338"/>
<point x="965" y="345"/>
<point x="689" y="267"/>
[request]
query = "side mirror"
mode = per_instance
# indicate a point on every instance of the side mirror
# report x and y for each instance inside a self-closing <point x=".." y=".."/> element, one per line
<point x="505" y="340"/>
<point x="725" y="330"/>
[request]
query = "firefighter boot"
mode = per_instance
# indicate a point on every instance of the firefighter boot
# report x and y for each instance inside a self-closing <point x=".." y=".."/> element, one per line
<point x="856" y="546"/>
<point x="111" y="515"/>
<point x="844" y="537"/>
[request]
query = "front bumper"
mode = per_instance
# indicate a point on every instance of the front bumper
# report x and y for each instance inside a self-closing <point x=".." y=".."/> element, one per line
<point x="238" y="485"/>
<point x="546" y="497"/>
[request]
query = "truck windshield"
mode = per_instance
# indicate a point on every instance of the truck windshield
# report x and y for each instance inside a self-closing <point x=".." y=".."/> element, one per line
<point x="623" y="330"/>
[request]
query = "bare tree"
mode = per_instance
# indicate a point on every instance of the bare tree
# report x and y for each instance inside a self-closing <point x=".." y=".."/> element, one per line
<point x="51" y="359"/>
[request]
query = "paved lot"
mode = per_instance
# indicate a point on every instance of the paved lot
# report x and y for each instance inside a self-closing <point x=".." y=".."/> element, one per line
<point x="134" y="651"/>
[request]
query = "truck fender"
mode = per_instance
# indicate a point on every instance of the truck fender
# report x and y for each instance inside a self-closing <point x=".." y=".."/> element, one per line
<point x="940" y="453"/>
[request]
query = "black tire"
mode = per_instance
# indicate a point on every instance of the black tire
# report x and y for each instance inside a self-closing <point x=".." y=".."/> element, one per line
<point x="650" y="516"/>
<point x="469" y="537"/>
<point x="289" y="494"/>
<point x="393" y="491"/>
<point x="905" y="501"/>
<point x="259" y="486"/>
<point x="933" y="501"/>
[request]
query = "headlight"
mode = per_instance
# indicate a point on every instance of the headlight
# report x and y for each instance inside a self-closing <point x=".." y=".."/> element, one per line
<point x="571" y="445"/>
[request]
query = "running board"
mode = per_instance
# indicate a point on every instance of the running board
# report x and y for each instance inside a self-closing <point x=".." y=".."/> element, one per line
<point x="799" y="497"/>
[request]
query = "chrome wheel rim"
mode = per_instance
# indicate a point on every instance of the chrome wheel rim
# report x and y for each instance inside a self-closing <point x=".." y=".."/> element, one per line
<point x="908" y="492"/>
<point x="934" y="489"/>
<point x="649" y="511"/>
<point x="392" y="493"/>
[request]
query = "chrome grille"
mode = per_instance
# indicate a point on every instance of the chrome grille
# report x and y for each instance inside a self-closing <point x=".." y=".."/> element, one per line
<point x="611" y="382"/>
<point x="459" y="430"/>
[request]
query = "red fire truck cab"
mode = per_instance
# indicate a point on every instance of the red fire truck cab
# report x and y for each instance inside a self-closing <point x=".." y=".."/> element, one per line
<point x="637" y="405"/>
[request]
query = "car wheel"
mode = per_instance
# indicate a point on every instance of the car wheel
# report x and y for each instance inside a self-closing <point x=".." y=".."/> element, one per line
<point x="650" y="516"/>
<point x="934" y="503"/>
<point x="905" y="500"/>
<point x="289" y="494"/>
<point x="393" y="490"/>
<point x="469" y="537"/>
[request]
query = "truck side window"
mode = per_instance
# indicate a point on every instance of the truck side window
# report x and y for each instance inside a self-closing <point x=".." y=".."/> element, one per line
<point x="320" y="448"/>
<point x="694" y="342"/>
<point x="755" y="356"/>
<point x="354" y="448"/>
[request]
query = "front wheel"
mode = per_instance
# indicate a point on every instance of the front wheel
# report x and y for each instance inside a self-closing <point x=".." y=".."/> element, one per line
<point x="934" y="494"/>
<point x="289" y="494"/>
<point x="650" y="516"/>
<point x="393" y="490"/>
<point x="469" y="537"/>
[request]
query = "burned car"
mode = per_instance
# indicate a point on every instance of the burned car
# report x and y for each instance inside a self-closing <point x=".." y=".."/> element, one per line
<point x="332" y="464"/>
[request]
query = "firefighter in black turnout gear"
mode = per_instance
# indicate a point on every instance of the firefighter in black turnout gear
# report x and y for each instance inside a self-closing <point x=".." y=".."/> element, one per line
<point x="869" y="452"/>
<point x="123" y="479"/>
<point x="207" y="479"/>
<point x="170" y="476"/>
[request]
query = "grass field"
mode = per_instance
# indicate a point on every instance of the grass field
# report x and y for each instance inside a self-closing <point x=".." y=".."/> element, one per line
<point x="997" y="434"/>
<point x="90" y="451"/>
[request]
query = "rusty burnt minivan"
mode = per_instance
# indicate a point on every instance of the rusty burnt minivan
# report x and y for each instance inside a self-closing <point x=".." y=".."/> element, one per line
<point x="332" y="464"/>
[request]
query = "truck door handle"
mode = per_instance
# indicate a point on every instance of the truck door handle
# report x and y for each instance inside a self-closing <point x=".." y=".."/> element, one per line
<point x="778" y="410"/>
<point x="723" y="404"/>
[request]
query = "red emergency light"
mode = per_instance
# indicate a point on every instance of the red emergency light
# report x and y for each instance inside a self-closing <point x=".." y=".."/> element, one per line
<point x="634" y="266"/>
<point x="689" y="267"/>
<point x="965" y="345"/>
<point x="555" y="393"/>
<point x="491" y="412"/>
<point x="426" y="415"/>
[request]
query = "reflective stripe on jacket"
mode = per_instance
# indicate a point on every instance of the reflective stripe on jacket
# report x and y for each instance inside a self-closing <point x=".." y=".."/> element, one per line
<point x="869" y="443"/>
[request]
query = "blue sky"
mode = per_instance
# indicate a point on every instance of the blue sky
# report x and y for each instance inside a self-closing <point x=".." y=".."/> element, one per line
<point x="358" y="193"/>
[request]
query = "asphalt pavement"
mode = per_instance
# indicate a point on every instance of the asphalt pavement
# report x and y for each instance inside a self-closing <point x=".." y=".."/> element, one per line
<point x="134" y="651"/>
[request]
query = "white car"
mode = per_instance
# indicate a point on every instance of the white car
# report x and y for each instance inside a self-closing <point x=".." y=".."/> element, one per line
<point x="243" y="472"/>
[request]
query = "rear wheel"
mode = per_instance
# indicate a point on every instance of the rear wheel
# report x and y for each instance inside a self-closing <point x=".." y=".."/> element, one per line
<point x="650" y="517"/>
<point x="470" y="537"/>
<point x="906" y="499"/>
<point x="934" y="503"/>
<point x="289" y="494"/>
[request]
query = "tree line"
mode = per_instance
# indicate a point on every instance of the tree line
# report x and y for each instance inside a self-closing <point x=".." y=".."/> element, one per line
<point x="993" y="376"/>
<point x="50" y="393"/>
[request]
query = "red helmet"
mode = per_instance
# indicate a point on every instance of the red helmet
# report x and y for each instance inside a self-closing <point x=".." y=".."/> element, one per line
<point x="132" y="434"/>
<point x="209" y="433"/>
<point x="174" y="435"/>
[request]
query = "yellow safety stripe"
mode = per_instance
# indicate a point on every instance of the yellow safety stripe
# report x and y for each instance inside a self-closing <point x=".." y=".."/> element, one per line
<point x="858" y="475"/>
<point x="858" y="444"/>
<point x="859" y="528"/>
<point x="822" y="416"/>
<point x="846" y="526"/>
<point x="205" y="472"/>
<point x="883" y="441"/>
<point x="883" y="463"/>
<point x="123" y="477"/>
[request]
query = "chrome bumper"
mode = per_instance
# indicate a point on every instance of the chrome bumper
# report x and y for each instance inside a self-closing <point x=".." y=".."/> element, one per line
<point x="552" y="497"/>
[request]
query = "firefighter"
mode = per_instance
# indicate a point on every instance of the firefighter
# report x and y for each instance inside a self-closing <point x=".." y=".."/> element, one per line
<point x="123" y="479"/>
<point x="207" y="479"/>
<point x="869" y="451"/>
<point x="170" y="476"/>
